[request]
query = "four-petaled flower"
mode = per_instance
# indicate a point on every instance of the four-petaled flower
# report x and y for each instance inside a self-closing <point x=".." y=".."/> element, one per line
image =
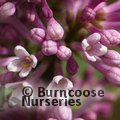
<point x="24" y="63"/>
<point x="92" y="47"/>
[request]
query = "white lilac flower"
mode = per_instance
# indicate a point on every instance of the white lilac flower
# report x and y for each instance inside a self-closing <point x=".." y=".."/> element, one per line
<point x="60" y="82"/>
<point x="24" y="63"/>
<point x="93" y="48"/>
<point x="16" y="97"/>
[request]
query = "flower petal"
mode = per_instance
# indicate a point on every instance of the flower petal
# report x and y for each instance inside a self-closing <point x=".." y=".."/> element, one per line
<point x="20" y="51"/>
<point x="90" y="57"/>
<point x="85" y="44"/>
<point x="94" y="38"/>
<point x="15" y="65"/>
<point x="25" y="71"/>
<point x="13" y="85"/>
<point x="16" y="97"/>
<point x="34" y="63"/>
<point x="99" y="49"/>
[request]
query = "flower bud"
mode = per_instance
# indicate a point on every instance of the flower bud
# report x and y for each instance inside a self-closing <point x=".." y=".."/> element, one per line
<point x="87" y="14"/>
<point x="54" y="29"/>
<point x="111" y="58"/>
<point x="63" y="53"/>
<point x="49" y="47"/>
<point x="37" y="35"/>
<point x="45" y="11"/>
<point x="113" y="76"/>
<point x="110" y="37"/>
<point x="110" y="73"/>
<point x="7" y="9"/>
<point x="72" y="66"/>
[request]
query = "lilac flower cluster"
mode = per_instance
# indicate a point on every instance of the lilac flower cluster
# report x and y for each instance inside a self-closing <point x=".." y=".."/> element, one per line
<point x="35" y="44"/>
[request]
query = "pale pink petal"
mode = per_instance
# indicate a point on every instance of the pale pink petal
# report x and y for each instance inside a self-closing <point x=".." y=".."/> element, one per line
<point x="90" y="57"/>
<point x="25" y="71"/>
<point x="5" y="61"/>
<point x="85" y="44"/>
<point x="13" y="85"/>
<point x="15" y="65"/>
<point x="94" y="38"/>
<point x="20" y="51"/>
<point x="99" y="49"/>
<point x="34" y="63"/>
<point x="16" y="97"/>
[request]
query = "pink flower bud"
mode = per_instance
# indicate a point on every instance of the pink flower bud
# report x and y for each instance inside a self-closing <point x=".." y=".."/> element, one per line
<point x="63" y="53"/>
<point x="37" y="35"/>
<point x="72" y="66"/>
<point x="110" y="37"/>
<point x="111" y="58"/>
<point x="45" y="11"/>
<point x="54" y="29"/>
<point x="110" y="73"/>
<point x="88" y="14"/>
<point x="49" y="47"/>
<point x="113" y="76"/>
<point x="7" y="9"/>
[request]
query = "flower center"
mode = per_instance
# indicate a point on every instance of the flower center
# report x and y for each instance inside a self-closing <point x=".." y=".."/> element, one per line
<point x="26" y="62"/>
<point x="88" y="48"/>
<point x="62" y="84"/>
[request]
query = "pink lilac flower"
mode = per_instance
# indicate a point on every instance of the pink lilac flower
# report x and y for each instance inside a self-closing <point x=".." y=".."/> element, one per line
<point x="60" y="82"/>
<point x="16" y="97"/>
<point x="32" y="81"/>
<point x="108" y="37"/>
<point x="24" y="63"/>
<point x="93" y="48"/>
